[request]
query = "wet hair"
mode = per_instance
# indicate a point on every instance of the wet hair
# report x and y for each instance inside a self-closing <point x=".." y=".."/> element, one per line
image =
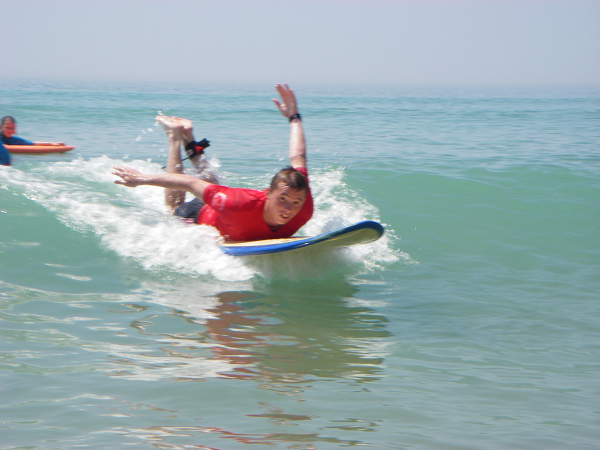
<point x="291" y="178"/>
<point x="8" y="119"/>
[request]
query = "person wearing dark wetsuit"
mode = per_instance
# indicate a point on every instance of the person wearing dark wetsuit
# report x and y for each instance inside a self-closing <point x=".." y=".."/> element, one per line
<point x="8" y="128"/>
<point x="4" y="156"/>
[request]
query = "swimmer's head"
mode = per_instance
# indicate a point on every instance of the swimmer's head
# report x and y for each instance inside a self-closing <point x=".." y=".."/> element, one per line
<point x="8" y="126"/>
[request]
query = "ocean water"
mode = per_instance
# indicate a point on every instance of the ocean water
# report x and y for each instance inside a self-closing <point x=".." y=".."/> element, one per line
<point x="473" y="324"/>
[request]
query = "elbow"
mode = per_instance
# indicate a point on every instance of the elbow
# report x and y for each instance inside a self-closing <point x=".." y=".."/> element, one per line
<point x="298" y="161"/>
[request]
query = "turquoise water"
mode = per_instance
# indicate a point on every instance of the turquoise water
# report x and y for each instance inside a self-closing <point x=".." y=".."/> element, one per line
<point x="472" y="325"/>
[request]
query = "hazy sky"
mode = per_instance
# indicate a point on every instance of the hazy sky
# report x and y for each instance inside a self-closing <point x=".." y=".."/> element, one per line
<point x="370" y="42"/>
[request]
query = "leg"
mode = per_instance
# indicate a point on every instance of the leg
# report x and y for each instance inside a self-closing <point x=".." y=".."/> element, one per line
<point x="173" y="198"/>
<point x="187" y="130"/>
<point x="204" y="170"/>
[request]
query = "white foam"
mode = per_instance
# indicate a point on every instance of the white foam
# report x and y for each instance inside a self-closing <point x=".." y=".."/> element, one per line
<point x="337" y="206"/>
<point x="134" y="223"/>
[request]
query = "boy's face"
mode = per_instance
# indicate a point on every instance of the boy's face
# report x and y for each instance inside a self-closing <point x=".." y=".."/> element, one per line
<point x="282" y="205"/>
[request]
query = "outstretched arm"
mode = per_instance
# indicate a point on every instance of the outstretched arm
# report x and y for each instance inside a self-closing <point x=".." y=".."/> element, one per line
<point x="177" y="181"/>
<point x="289" y="108"/>
<point x="48" y="143"/>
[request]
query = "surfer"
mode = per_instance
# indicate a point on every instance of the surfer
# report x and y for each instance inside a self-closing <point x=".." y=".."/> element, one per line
<point x="8" y="128"/>
<point x="238" y="214"/>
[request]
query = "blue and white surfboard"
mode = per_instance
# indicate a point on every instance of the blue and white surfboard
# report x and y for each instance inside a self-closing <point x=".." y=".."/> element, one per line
<point x="359" y="233"/>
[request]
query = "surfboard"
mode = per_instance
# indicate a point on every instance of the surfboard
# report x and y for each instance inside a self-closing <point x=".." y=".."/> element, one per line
<point x="33" y="149"/>
<point x="359" y="233"/>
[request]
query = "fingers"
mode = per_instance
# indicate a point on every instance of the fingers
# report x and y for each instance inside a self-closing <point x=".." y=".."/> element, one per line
<point x="287" y="106"/>
<point x="121" y="180"/>
<point x="121" y="171"/>
<point x="118" y="171"/>
<point x="282" y="88"/>
<point x="285" y="92"/>
<point x="127" y="175"/>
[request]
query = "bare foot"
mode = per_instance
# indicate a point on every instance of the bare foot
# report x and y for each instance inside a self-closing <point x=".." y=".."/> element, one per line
<point x="187" y="130"/>
<point x="171" y="125"/>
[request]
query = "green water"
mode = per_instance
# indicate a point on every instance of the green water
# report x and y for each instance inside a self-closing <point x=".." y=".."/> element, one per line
<point x="472" y="325"/>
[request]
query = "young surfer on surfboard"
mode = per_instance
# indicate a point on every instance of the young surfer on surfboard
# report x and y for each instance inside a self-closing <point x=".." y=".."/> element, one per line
<point x="238" y="214"/>
<point x="8" y="128"/>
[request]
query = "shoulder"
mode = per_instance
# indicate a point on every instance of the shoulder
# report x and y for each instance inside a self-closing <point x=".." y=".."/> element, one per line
<point x="302" y="170"/>
<point x="222" y="197"/>
<point x="214" y="188"/>
<point x="4" y="156"/>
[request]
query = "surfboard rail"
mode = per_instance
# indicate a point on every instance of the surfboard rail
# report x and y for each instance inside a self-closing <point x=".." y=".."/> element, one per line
<point x="35" y="149"/>
<point x="359" y="233"/>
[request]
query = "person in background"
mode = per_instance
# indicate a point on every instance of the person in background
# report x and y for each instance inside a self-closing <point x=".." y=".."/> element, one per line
<point x="4" y="156"/>
<point x="8" y="128"/>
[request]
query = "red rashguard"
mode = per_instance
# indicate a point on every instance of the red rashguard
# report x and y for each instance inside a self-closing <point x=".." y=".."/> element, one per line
<point x="238" y="213"/>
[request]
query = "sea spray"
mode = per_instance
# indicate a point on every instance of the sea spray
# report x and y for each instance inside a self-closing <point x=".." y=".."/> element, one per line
<point x="135" y="223"/>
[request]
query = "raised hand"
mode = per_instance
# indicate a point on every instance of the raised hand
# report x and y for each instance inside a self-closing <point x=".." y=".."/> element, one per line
<point x="287" y="106"/>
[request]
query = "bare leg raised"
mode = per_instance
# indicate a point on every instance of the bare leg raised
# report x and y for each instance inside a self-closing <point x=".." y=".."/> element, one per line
<point x="204" y="170"/>
<point x="173" y="129"/>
